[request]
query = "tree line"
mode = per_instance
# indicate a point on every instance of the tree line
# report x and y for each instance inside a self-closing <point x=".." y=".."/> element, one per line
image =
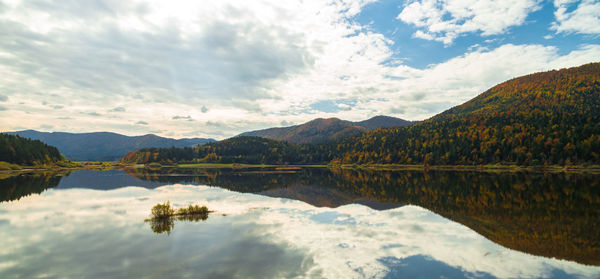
<point x="23" y="151"/>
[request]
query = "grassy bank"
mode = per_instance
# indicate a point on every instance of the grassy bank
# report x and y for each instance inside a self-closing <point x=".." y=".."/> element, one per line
<point x="4" y="166"/>
<point x="483" y="168"/>
<point x="68" y="165"/>
<point x="416" y="167"/>
<point x="230" y="166"/>
<point x="61" y="165"/>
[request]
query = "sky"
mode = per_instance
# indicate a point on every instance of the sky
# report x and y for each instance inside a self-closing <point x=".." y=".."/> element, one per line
<point x="218" y="68"/>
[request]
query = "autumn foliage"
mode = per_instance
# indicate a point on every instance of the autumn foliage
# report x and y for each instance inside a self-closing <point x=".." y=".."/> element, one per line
<point x="545" y="118"/>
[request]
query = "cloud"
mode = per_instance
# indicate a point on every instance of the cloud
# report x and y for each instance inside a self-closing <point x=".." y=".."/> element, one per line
<point x="423" y="93"/>
<point x="397" y="110"/>
<point x="177" y="117"/>
<point x="445" y="20"/>
<point x="58" y="107"/>
<point x="574" y="16"/>
<point x="181" y="117"/>
<point x="419" y="96"/>
<point x="3" y="98"/>
<point x="141" y="123"/>
<point x="236" y="66"/>
<point x="286" y="123"/>
<point x="117" y="109"/>
<point x="325" y="106"/>
<point x="229" y="56"/>
<point x="93" y="113"/>
<point x="3" y="108"/>
<point x="163" y="49"/>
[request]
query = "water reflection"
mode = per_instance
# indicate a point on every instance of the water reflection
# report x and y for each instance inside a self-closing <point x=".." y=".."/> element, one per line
<point x="18" y="185"/>
<point x="14" y="187"/>
<point x="162" y="225"/>
<point x="547" y="214"/>
<point x="551" y="215"/>
<point x="105" y="180"/>
<point x="66" y="233"/>
<point x="167" y="224"/>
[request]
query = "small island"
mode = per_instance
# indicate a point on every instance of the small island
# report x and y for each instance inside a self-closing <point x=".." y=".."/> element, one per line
<point x="163" y="216"/>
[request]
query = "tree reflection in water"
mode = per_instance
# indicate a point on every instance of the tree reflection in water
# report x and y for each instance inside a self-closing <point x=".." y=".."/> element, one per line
<point x="162" y="225"/>
<point x="540" y="213"/>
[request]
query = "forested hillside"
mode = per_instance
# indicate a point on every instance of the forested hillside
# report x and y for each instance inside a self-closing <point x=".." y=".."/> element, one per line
<point x="544" y="118"/>
<point x="321" y="130"/>
<point x="248" y="150"/>
<point x="22" y="151"/>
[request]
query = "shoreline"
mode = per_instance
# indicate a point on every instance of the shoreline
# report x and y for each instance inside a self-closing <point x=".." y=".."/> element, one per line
<point x="592" y="169"/>
<point x="595" y="169"/>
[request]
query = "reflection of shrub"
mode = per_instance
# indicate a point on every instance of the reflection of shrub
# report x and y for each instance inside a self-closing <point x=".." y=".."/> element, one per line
<point x="162" y="225"/>
<point x="193" y="217"/>
<point x="162" y="211"/>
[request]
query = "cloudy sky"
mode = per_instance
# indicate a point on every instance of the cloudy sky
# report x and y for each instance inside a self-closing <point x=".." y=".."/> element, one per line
<point x="218" y="68"/>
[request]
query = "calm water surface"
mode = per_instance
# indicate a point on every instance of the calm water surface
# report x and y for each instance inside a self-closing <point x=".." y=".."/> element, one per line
<point x="313" y="223"/>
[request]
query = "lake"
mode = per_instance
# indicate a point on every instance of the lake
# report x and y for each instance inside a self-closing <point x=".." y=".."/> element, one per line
<point x="301" y="223"/>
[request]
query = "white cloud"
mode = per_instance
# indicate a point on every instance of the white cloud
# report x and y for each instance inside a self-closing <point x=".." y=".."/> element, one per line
<point x="417" y="94"/>
<point x="144" y="55"/>
<point x="235" y="66"/>
<point x="575" y="16"/>
<point x="445" y="20"/>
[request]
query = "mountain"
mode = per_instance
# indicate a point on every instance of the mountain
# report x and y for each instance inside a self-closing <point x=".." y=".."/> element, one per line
<point x="104" y="146"/>
<point x="321" y="130"/>
<point x="544" y="118"/>
<point x="23" y="151"/>
<point x="320" y="196"/>
<point x="382" y="121"/>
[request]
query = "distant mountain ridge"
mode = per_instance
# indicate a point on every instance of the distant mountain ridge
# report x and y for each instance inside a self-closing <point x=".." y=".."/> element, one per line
<point x="321" y="130"/>
<point x="104" y="146"/>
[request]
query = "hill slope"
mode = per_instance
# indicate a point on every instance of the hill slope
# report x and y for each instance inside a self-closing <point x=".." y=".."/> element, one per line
<point x="103" y="145"/>
<point x="544" y="118"/>
<point x="22" y="151"/>
<point x="382" y="121"/>
<point x="321" y="130"/>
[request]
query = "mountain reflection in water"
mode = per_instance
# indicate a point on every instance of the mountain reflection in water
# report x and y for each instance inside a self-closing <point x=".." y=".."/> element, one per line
<point x="547" y="214"/>
<point x="552" y="215"/>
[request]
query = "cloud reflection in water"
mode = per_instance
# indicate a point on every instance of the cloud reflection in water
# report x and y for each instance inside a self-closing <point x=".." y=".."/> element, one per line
<point x="90" y="233"/>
